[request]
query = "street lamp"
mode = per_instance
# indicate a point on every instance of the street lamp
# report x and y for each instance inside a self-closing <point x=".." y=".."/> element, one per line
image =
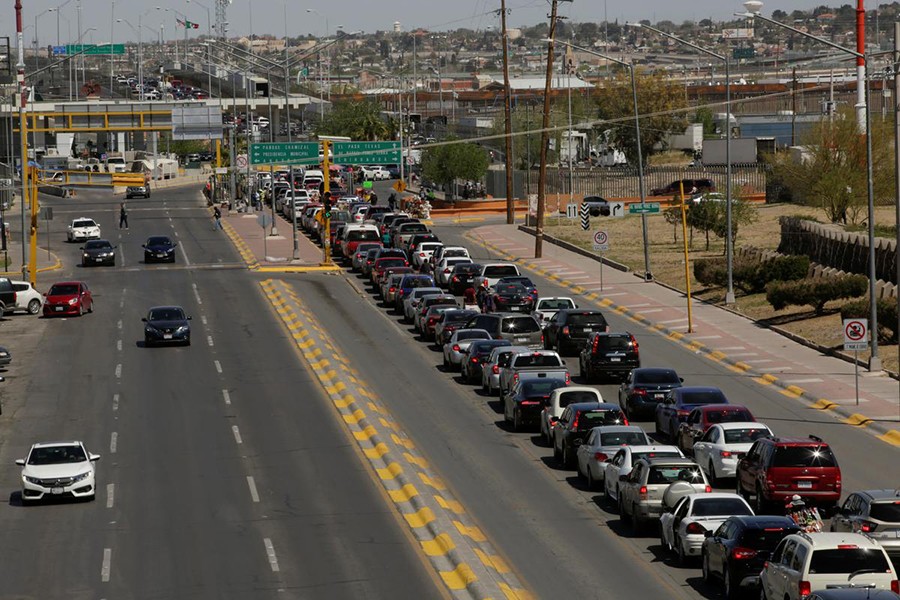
<point x="36" y="17"/>
<point x="864" y="119"/>
<point x="729" y="244"/>
<point x="328" y="61"/>
<point x="648" y="275"/>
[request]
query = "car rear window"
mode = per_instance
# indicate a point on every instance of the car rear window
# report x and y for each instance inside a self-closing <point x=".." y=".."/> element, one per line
<point x="365" y="234"/>
<point x="622" y="438"/>
<point x="413" y="227"/>
<point x="848" y="560"/>
<point x="520" y="325"/>
<point x="472" y="335"/>
<point x="714" y="507"/>
<point x="466" y="269"/>
<point x="541" y="388"/>
<point x="555" y="304"/>
<point x="586" y="320"/>
<point x="744" y="436"/>
<point x="886" y="511"/>
<point x="511" y="289"/>
<point x="363" y="248"/>
<point x="656" y="377"/>
<point x="418" y="282"/>
<point x="391" y="262"/>
<point x="539" y="360"/>
<point x="614" y="342"/>
<point x="803" y="456"/>
<point x="706" y="397"/>
<point x="660" y="474"/>
<point x="728" y="416"/>
<point x="501" y="271"/>
<point x="654" y="454"/>
<point x="568" y="398"/>
<point x="594" y="418"/>
<point x="764" y="539"/>
<point x="455" y="252"/>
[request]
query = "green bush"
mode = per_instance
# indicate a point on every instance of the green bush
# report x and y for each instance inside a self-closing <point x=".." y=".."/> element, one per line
<point x="711" y="271"/>
<point x="815" y="292"/>
<point x="751" y="276"/>
<point x="887" y="315"/>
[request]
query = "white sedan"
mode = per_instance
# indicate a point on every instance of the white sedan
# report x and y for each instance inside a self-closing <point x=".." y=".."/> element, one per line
<point x="490" y="368"/>
<point x="602" y="444"/>
<point x="423" y="253"/>
<point x="723" y="445"/>
<point x="444" y="268"/>
<point x="547" y="308"/>
<point x="59" y="470"/>
<point x="624" y="460"/>
<point x="684" y="528"/>
<point x="81" y="229"/>
<point x="455" y="349"/>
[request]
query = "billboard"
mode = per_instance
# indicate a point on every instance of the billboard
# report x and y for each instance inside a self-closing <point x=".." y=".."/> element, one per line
<point x="738" y="34"/>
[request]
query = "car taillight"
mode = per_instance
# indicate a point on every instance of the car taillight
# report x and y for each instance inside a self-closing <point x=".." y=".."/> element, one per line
<point x="895" y="586"/>
<point x="565" y="330"/>
<point x="575" y="422"/>
<point x="634" y="343"/>
<point x="432" y="320"/>
<point x="601" y="456"/>
<point x="474" y="359"/>
<point x="484" y="282"/>
<point x="695" y="529"/>
<point x="456" y="347"/>
<point x="805" y="589"/>
<point x="392" y="289"/>
<point x="542" y="339"/>
<point x="595" y="344"/>
<point x="568" y="378"/>
<point x="455" y="279"/>
<point x="495" y="369"/>
<point x="707" y="489"/>
<point x="421" y="254"/>
<point x="724" y="453"/>
<point x="515" y="377"/>
<point x="740" y="553"/>
<point x="447" y="271"/>
<point x="682" y="413"/>
<point x="643" y="491"/>
<point x="867" y="526"/>
<point x="639" y="392"/>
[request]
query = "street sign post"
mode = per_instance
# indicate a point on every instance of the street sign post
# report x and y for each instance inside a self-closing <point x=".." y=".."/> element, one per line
<point x="264" y="221"/>
<point x="241" y="161"/>
<point x="644" y="208"/>
<point x="366" y="153"/>
<point x="856" y="338"/>
<point x="601" y="241"/>
<point x="400" y="186"/>
<point x="571" y="211"/>
<point x="284" y="153"/>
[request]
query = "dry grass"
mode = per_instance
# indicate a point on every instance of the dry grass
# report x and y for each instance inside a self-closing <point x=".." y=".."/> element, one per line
<point x="667" y="265"/>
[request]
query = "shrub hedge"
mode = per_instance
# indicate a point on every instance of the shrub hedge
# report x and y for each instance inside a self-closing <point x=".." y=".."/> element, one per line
<point x="750" y="276"/>
<point x="815" y="292"/>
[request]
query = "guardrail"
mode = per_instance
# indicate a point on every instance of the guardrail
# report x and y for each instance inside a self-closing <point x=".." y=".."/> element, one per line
<point x="89" y="179"/>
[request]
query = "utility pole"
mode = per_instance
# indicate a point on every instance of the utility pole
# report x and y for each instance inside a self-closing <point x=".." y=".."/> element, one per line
<point x="507" y="112"/>
<point x="23" y="129"/>
<point x="545" y="124"/>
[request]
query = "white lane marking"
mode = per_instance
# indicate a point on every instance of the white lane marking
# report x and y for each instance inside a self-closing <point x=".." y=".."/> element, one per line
<point x="196" y="293"/>
<point x="110" y="494"/>
<point x="774" y="369"/>
<point x="209" y="340"/>
<point x="218" y="366"/>
<point x="115" y="402"/>
<point x="203" y="319"/>
<point x="733" y="354"/>
<point x="706" y="337"/>
<point x="577" y="277"/>
<point x="672" y="321"/>
<point x="237" y="434"/>
<point x="733" y="348"/>
<point x="810" y="380"/>
<point x="119" y="371"/>
<point x="227" y="396"/>
<point x="113" y="442"/>
<point x="254" y="495"/>
<point x="122" y="259"/>
<point x="650" y="311"/>
<point x="610" y="294"/>
<point x="119" y="345"/>
<point x="270" y="552"/>
<point x="122" y="303"/>
<point x="187" y="261"/>
<point x="107" y="560"/>
<point x="759" y="360"/>
<point x="176" y="233"/>
<point x="119" y="324"/>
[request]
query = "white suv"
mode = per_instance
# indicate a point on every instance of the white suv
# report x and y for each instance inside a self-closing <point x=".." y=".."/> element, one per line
<point x="804" y="562"/>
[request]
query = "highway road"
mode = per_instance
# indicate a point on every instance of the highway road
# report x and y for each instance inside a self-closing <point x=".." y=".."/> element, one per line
<point x="223" y="472"/>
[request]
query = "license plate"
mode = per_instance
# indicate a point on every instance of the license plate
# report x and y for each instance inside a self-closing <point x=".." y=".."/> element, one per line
<point x="56" y="490"/>
<point x="515" y="308"/>
<point x="659" y="396"/>
<point x="99" y="259"/>
<point x="58" y="308"/>
<point x="804" y="485"/>
<point x="522" y="339"/>
<point x="615" y="359"/>
<point x="167" y="336"/>
<point x="160" y="256"/>
<point x="588" y="329"/>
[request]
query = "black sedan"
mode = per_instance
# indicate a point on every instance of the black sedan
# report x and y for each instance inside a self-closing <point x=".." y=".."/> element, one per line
<point x="462" y="277"/>
<point x="525" y="402"/>
<point x="5" y="357"/>
<point x="526" y="281"/>
<point x="159" y="248"/>
<point x="167" y="325"/>
<point x="509" y="297"/>
<point x="643" y="389"/>
<point x="98" y="252"/>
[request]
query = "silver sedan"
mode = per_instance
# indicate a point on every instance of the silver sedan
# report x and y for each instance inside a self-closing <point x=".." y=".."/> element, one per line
<point x="455" y="349"/>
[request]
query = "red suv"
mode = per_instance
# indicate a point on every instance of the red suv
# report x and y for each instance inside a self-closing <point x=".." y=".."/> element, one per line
<point x="777" y="468"/>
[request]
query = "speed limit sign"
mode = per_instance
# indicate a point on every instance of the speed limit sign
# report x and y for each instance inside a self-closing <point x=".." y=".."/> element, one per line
<point x="601" y="241"/>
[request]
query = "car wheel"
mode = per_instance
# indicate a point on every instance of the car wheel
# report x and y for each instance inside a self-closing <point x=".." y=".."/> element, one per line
<point x="623" y="516"/>
<point x="662" y="539"/>
<point x="566" y="457"/>
<point x="762" y="592"/>
<point x="446" y="363"/>
<point x="679" y="547"/>
<point x="34" y="306"/>
<point x="732" y="591"/>
<point x="704" y="568"/>
<point x="91" y="306"/>
<point x="591" y="484"/>
<point x="659" y="431"/>
<point x="714" y="479"/>
<point x="517" y="423"/>
<point x="556" y="452"/>
<point x="636" y="524"/>
<point x="187" y="342"/>
<point x="759" y="502"/>
<point x="80" y="309"/>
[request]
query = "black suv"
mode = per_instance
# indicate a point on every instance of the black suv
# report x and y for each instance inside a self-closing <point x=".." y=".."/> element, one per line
<point x="571" y="327"/>
<point x="738" y="549"/>
<point x="644" y="388"/>
<point x="609" y="355"/>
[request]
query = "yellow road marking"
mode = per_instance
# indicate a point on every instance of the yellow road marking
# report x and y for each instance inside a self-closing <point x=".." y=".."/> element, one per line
<point x="378" y="451"/>
<point x="336" y="388"/>
<point x="439" y="546"/>
<point x="823" y="404"/>
<point x="891" y="437"/>
<point x="365" y="434"/>
<point x="355" y="417"/>
<point x="404" y="494"/>
<point x="344" y="402"/>
<point x="451" y="505"/>
<point x="493" y="561"/>
<point x="858" y="420"/>
<point x="514" y="594"/>
<point x="405" y="442"/>
<point x="389" y="472"/>
<point x="459" y="578"/>
<point x="474" y="533"/>
<point x="434" y="482"/>
<point x="416" y="460"/>
<point x="420" y="518"/>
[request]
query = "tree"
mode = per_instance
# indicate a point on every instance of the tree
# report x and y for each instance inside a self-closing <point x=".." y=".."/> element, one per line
<point x="361" y="121"/>
<point x="455" y="160"/>
<point x="742" y="213"/>
<point x="659" y="101"/>
<point x="832" y="171"/>
<point x="705" y="216"/>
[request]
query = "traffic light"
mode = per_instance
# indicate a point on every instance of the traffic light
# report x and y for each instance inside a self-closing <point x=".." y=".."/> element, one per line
<point x="599" y="211"/>
<point x="326" y="203"/>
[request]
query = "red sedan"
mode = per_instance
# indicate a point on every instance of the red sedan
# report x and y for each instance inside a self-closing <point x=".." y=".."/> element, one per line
<point x="68" y="298"/>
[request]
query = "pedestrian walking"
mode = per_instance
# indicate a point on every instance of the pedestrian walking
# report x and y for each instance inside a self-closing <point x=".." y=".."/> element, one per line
<point x="392" y="202"/>
<point x="123" y="217"/>
<point x="217" y="218"/>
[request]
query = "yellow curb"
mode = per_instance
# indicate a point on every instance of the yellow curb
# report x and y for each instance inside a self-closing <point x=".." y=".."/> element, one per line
<point x="415" y="460"/>
<point x="823" y="404"/>
<point x="891" y="437"/>
<point x="696" y="346"/>
<point x="439" y="546"/>
<point x="605" y="302"/>
<point x="375" y="408"/>
<point x="420" y="518"/>
<point x="858" y="420"/>
<point x="637" y="317"/>
<point x="344" y="402"/>
<point x="459" y="578"/>
<point x="514" y="594"/>
<point x="473" y="533"/>
<point x="794" y="389"/>
<point x="675" y="335"/>
<point x="334" y="389"/>
<point x="766" y="379"/>
<point x="404" y="494"/>
<point x="434" y="482"/>
<point x="365" y="434"/>
<point x="493" y="561"/>
<point x="405" y="442"/>
<point x="742" y="366"/>
<point x="298" y="269"/>
<point x="377" y="452"/>
<point x="389" y="472"/>
<point x="716" y="355"/>
<point x="451" y="505"/>
<point x="355" y="417"/>
<point x="319" y="364"/>
<point x="592" y="296"/>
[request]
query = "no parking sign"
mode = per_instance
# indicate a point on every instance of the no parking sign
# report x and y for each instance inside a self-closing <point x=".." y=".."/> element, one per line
<point x="856" y="334"/>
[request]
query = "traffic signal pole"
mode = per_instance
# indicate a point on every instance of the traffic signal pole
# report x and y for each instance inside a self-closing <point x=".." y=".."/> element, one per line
<point x="326" y="204"/>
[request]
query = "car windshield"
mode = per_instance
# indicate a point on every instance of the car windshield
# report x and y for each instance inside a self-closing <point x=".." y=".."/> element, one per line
<point x="392" y="262"/>
<point x="541" y="388"/>
<point x="764" y="539"/>
<point x="539" y="360"/>
<point x="744" y="436"/>
<point x="472" y="335"/>
<point x="555" y="304"/>
<point x="364" y="248"/>
<point x="848" y="560"/>
<point x="501" y="271"/>
<point x="63" y="290"/>
<point x="716" y="507"/>
<point x="55" y="455"/>
<point x="654" y="454"/>
<point x="803" y="456"/>
<point x="97" y="244"/>
<point x="567" y="398"/>
<point x="84" y="223"/>
<point x="623" y="438"/>
<point x="664" y="474"/>
<point x="728" y="416"/>
<point x="456" y="252"/>
<point x="586" y="320"/>
<point x="159" y="241"/>
<point x="166" y="314"/>
<point x="511" y="289"/>
<point x="656" y="377"/>
<point x="520" y="325"/>
<point x="593" y="418"/>
<point x="704" y="397"/>
<point x="466" y="269"/>
<point x="885" y="511"/>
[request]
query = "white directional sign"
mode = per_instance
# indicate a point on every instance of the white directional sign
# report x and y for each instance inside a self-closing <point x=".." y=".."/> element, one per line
<point x="601" y="241"/>
<point x="241" y="161"/>
<point x="617" y="209"/>
<point x="571" y="211"/>
<point x="856" y="334"/>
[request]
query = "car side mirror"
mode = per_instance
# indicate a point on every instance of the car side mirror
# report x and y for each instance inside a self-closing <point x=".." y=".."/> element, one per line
<point x="623" y="478"/>
<point x="554" y="419"/>
<point x="20" y="462"/>
<point x="681" y="379"/>
<point x="81" y="247"/>
<point x="190" y="318"/>
<point x="707" y="533"/>
<point x="143" y="245"/>
<point x="94" y="457"/>
<point x="144" y="319"/>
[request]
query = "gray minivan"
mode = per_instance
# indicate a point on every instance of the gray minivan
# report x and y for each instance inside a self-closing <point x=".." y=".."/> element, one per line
<point x="521" y="330"/>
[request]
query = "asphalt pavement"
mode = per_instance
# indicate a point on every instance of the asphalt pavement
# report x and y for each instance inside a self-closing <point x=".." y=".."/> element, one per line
<point x="223" y="474"/>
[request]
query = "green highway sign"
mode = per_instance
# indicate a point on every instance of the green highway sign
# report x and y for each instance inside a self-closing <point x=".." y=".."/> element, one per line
<point x="645" y="208"/>
<point x="366" y="153"/>
<point x="94" y="49"/>
<point x="285" y="153"/>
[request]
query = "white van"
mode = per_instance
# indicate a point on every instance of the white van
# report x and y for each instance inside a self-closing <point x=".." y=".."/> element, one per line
<point x="313" y="177"/>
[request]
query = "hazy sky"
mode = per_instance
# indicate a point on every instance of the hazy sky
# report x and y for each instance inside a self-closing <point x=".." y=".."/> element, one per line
<point x="267" y="16"/>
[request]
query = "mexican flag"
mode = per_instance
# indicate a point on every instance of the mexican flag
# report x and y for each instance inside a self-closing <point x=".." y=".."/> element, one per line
<point x="188" y="24"/>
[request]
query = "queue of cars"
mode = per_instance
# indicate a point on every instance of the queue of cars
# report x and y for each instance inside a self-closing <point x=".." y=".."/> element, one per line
<point x="710" y="479"/>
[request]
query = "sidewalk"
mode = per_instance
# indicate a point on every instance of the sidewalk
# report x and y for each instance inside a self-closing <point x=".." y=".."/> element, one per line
<point x="770" y="359"/>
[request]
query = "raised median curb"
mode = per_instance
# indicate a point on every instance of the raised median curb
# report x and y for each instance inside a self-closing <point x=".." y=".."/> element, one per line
<point x="464" y="559"/>
<point x="884" y="430"/>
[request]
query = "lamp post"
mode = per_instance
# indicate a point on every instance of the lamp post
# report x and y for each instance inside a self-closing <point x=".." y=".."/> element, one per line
<point x="648" y="274"/>
<point x="36" y="17"/>
<point x="208" y="49"/>
<point x="729" y="244"/>
<point x="753" y="12"/>
<point x="321" y="76"/>
<point x="112" y="39"/>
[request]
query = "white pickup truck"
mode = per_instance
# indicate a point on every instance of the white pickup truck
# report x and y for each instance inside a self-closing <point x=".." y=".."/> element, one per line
<point x="534" y="363"/>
